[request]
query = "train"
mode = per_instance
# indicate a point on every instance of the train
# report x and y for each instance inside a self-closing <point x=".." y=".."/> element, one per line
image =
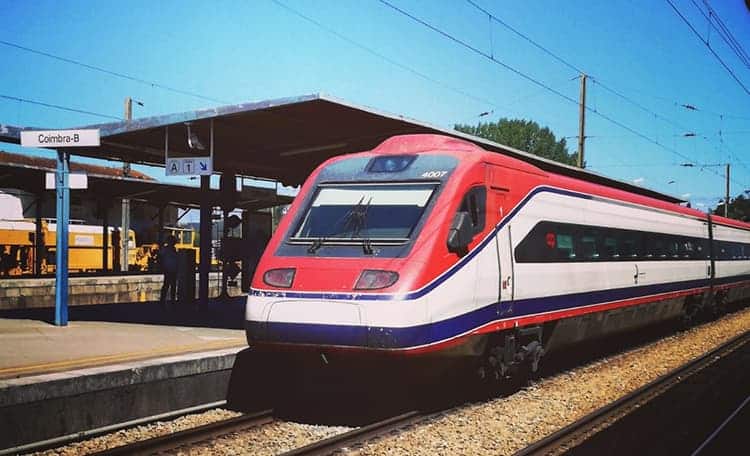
<point x="429" y="256"/>
<point x="17" y="247"/>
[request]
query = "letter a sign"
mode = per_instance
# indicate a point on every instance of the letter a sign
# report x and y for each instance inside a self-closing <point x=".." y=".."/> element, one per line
<point x="173" y="167"/>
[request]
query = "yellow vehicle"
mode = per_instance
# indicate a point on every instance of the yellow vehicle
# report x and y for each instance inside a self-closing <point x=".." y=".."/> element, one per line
<point x="16" y="247"/>
<point x="85" y="243"/>
<point x="146" y="257"/>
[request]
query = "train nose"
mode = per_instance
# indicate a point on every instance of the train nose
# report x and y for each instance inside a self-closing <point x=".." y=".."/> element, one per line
<point x="317" y="322"/>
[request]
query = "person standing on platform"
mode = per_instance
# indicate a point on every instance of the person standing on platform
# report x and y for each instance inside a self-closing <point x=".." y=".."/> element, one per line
<point x="168" y="262"/>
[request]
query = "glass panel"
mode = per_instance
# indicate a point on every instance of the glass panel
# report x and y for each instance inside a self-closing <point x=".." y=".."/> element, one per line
<point x="365" y="211"/>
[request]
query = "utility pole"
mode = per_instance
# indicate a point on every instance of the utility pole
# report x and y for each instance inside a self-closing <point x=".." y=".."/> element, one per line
<point x="125" y="223"/>
<point x="582" y="121"/>
<point x="726" y="200"/>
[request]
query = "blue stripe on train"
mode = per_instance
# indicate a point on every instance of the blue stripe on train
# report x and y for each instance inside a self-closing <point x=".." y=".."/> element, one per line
<point x="387" y="337"/>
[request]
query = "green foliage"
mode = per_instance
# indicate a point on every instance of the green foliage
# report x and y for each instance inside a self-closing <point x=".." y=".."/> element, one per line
<point x="739" y="208"/>
<point x="525" y="135"/>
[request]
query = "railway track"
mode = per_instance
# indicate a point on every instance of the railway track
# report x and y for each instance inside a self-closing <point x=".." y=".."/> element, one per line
<point x="327" y="446"/>
<point x="359" y="435"/>
<point x="574" y="434"/>
<point x="190" y="436"/>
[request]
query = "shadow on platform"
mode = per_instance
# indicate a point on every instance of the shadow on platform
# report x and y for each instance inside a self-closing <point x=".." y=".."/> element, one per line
<point x="228" y="313"/>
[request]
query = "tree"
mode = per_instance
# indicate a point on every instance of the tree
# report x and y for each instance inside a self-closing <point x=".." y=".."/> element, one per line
<point x="739" y="208"/>
<point x="525" y="135"/>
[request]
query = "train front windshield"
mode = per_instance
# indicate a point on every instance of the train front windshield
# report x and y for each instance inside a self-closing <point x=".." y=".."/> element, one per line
<point x="386" y="212"/>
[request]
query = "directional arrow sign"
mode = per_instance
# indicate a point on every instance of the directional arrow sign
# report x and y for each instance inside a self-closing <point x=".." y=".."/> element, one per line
<point x="189" y="166"/>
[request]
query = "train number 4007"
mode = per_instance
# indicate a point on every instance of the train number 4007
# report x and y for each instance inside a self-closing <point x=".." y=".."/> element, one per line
<point x="434" y="174"/>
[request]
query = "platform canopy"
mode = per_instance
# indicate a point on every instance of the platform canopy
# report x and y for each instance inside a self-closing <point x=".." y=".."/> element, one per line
<point x="284" y="139"/>
<point x="28" y="174"/>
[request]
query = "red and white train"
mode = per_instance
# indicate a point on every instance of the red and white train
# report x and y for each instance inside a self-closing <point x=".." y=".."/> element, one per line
<point x="431" y="254"/>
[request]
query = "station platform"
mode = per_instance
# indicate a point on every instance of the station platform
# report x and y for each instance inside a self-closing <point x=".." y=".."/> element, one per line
<point x="112" y="364"/>
<point x="20" y="293"/>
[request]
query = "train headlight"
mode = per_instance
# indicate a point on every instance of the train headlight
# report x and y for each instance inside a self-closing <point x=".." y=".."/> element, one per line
<point x="281" y="278"/>
<point x="372" y="279"/>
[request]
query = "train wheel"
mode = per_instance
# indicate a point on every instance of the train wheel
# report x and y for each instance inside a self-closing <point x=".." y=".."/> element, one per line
<point x="719" y="307"/>
<point x="691" y="311"/>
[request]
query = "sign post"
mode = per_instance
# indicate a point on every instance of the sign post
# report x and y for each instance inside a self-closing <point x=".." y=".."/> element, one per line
<point x="58" y="139"/>
<point x="61" y="238"/>
<point x="203" y="167"/>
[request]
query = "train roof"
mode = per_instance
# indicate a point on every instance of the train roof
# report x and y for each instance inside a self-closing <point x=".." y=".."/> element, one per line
<point x="260" y="138"/>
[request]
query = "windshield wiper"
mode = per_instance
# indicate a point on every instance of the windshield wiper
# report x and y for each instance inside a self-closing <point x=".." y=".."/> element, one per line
<point x="358" y="219"/>
<point x="316" y="245"/>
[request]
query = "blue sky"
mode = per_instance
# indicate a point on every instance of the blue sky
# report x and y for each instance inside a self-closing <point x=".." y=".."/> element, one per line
<point x="254" y="50"/>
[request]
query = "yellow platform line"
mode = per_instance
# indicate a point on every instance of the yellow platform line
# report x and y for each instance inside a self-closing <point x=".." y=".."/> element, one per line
<point x="120" y="357"/>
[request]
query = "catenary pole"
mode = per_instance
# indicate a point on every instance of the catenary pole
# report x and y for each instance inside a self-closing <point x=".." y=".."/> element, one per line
<point x="726" y="200"/>
<point x="125" y="221"/>
<point x="582" y="122"/>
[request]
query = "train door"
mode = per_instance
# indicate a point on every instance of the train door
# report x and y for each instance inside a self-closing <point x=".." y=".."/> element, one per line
<point x="499" y="187"/>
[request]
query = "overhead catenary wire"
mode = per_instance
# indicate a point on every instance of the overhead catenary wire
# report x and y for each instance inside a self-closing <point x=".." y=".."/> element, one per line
<point x="112" y="72"/>
<point x="708" y="45"/>
<point x="62" y="108"/>
<point x="369" y="50"/>
<point x="526" y="37"/>
<point x="532" y="79"/>
<point x="595" y="80"/>
<point x="381" y="56"/>
<point x="723" y="31"/>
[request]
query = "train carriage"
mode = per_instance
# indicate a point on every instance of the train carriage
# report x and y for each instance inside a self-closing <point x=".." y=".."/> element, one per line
<point x="429" y="255"/>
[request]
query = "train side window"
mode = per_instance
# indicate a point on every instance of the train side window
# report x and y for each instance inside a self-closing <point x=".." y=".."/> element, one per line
<point x="587" y="241"/>
<point x="630" y="244"/>
<point x="547" y="242"/>
<point x="611" y="241"/>
<point x="701" y="247"/>
<point x="673" y="246"/>
<point x="655" y="246"/>
<point x="475" y="204"/>
<point x="564" y="249"/>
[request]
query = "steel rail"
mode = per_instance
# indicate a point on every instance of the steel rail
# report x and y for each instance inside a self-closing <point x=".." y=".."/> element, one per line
<point x="191" y="436"/>
<point x="357" y="436"/>
<point x="568" y="437"/>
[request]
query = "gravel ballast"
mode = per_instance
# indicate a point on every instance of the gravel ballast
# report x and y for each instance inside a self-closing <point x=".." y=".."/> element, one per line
<point x="508" y="424"/>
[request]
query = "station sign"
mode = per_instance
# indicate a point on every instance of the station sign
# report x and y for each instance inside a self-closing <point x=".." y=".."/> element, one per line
<point x="76" y="181"/>
<point x="189" y="166"/>
<point x="60" y="138"/>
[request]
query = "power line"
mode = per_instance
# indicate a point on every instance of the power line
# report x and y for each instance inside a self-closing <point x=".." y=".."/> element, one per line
<point x="385" y="58"/>
<point x="533" y="80"/>
<point x="525" y="37"/>
<point x="723" y="31"/>
<point x="708" y="45"/>
<point x="595" y="80"/>
<point x="398" y="64"/>
<point x="638" y="105"/>
<point x="112" y="73"/>
<point x="62" y="108"/>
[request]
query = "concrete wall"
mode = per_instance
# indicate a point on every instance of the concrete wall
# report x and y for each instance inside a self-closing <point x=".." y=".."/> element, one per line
<point x="40" y="293"/>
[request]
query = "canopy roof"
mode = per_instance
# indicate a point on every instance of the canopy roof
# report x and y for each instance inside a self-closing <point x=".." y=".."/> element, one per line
<point x="28" y="174"/>
<point x="284" y="139"/>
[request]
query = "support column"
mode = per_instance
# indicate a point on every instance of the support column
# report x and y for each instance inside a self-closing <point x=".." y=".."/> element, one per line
<point x="124" y="238"/>
<point x="105" y="236"/>
<point x="61" y="238"/>
<point x="39" y="250"/>
<point x="160" y="232"/>
<point x="205" y="243"/>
